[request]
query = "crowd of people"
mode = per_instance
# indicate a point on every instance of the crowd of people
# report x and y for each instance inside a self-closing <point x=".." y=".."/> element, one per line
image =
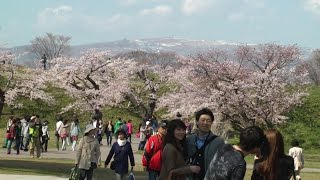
<point x="27" y="132"/>
<point x="172" y="149"/>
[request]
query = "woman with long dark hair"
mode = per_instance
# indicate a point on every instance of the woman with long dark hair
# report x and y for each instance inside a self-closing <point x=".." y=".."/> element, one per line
<point x="174" y="153"/>
<point x="274" y="163"/>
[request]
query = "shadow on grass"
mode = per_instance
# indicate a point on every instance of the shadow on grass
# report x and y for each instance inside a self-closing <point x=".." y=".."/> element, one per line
<point x="43" y="167"/>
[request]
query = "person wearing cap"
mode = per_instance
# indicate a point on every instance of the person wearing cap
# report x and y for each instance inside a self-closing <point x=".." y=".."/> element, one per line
<point x="229" y="163"/>
<point x="35" y="131"/>
<point x="120" y="151"/>
<point x="149" y="130"/>
<point x="88" y="153"/>
<point x="151" y="159"/>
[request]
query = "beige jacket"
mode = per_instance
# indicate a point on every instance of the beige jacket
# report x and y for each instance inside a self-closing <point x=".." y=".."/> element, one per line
<point x="88" y="151"/>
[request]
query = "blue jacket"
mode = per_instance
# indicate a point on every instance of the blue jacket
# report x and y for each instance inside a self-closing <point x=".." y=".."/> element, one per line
<point x="121" y="154"/>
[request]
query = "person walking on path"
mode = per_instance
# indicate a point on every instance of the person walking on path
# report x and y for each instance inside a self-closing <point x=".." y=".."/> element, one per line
<point x="151" y="159"/>
<point x="130" y="129"/>
<point x="64" y="134"/>
<point x="109" y="129"/>
<point x="9" y="123"/>
<point x="58" y="129"/>
<point x="273" y="163"/>
<point x="118" y="124"/>
<point x="88" y="153"/>
<point x="14" y="136"/>
<point x="203" y="144"/>
<point x="24" y="124"/>
<point x="173" y="163"/>
<point x="120" y="150"/>
<point x="142" y="136"/>
<point x="45" y="136"/>
<point x="74" y="132"/>
<point x="35" y="131"/>
<point x="297" y="153"/>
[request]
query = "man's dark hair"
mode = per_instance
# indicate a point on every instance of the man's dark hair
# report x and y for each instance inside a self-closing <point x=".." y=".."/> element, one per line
<point x="205" y="111"/>
<point x="251" y="137"/>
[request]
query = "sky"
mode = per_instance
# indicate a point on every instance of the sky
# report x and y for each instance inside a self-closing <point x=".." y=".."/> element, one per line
<point x="234" y="21"/>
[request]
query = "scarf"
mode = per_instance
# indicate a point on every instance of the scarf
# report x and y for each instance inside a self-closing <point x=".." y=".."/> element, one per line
<point x="122" y="142"/>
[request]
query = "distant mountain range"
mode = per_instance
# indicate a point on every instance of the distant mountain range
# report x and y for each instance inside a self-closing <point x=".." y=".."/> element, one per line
<point x="179" y="46"/>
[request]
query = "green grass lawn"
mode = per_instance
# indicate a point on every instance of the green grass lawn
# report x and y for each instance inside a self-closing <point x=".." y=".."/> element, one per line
<point x="61" y="168"/>
<point x="53" y="167"/>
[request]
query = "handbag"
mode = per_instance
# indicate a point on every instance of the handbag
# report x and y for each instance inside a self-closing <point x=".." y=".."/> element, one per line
<point x="113" y="165"/>
<point x="75" y="173"/>
<point x="131" y="175"/>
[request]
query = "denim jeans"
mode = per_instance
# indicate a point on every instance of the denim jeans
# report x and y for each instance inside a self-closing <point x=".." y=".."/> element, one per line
<point x="153" y="175"/>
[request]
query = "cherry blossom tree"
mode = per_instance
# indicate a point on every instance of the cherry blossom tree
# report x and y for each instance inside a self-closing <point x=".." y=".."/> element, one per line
<point x="149" y="85"/>
<point x="19" y="81"/>
<point x="248" y="85"/>
<point x="313" y="66"/>
<point x="93" y="79"/>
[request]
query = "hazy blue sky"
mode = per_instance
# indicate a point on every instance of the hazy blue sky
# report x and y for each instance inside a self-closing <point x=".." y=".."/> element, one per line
<point x="89" y="21"/>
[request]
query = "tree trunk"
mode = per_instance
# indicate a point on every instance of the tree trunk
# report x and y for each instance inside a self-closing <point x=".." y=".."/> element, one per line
<point x="2" y="99"/>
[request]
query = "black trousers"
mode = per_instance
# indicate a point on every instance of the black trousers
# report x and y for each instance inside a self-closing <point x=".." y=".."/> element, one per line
<point x="86" y="174"/>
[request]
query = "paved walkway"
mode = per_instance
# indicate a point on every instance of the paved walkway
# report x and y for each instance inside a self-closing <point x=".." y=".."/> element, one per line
<point x="69" y="154"/>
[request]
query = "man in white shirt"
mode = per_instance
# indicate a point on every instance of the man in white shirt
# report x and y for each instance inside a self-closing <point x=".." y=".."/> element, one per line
<point x="58" y="128"/>
<point x="297" y="153"/>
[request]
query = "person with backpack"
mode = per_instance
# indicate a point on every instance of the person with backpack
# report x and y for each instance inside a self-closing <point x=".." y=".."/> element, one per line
<point x="35" y="131"/>
<point x="151" y="159"/>
<point x="203" y="144"/>
<point x="121" y="151"/>
<point x="297" y="153"/>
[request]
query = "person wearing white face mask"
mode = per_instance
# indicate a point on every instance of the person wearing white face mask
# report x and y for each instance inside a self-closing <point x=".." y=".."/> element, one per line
<point x="120" y="150"/>
<point x="88" y="153"/>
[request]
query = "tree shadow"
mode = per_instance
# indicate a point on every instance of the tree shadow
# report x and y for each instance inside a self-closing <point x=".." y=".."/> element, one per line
<point x="59" y="169"/>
